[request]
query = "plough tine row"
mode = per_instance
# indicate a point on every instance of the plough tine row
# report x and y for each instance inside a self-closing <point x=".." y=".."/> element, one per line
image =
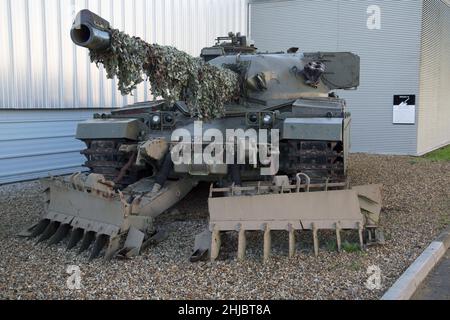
<point x="93" y="215"/>
<point x="216" y="242"/>
<point x="54" y="232"/>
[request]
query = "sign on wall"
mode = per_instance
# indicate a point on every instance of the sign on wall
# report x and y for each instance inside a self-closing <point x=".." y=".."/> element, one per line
<point x="404" y="109"/>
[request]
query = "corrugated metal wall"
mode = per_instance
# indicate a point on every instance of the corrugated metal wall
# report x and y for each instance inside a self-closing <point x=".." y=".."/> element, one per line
<point x="389" y="57"/>
<point x="41" y="68"/>
<point x="34" y="143"/>
<point x="434" y="112"/>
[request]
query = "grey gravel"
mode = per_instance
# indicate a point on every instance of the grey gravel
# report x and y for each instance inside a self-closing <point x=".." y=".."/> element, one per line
<point x="416" y="208"/>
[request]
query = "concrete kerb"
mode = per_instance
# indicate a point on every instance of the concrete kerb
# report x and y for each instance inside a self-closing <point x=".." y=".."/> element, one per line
<point x="409" y="281"/>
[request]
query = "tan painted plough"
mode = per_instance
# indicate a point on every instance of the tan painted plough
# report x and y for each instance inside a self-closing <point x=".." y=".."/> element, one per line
<point x="291" y="207"/>
<point x="94" y="215"/>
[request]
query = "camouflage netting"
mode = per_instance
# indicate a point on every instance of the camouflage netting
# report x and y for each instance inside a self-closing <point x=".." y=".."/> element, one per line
<point x="173" y="74"/>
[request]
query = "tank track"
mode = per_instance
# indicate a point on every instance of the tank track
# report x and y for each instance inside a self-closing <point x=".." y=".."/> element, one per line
<point x="320" y="160"/>
<point x="104" y="157"/>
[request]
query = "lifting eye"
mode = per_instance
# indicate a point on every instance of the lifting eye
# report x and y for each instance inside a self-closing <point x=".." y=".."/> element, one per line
<point x="260" y="80"/>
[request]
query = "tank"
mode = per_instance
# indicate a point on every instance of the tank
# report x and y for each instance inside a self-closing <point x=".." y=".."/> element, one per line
<point x="262" y="128"/>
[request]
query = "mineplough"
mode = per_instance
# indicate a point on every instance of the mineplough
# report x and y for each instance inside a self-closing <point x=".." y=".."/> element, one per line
<point x="280" y="205"/>
<point x="94" y="215"/>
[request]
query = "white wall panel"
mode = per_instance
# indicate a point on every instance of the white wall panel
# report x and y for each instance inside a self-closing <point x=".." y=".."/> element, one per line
<point x="434" y="107"/>
<point x="41" y="68"/>
<point x="44" y="77"/>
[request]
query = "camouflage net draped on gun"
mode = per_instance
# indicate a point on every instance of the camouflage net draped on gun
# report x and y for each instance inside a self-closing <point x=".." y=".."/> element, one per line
<point x="173" y="74"/>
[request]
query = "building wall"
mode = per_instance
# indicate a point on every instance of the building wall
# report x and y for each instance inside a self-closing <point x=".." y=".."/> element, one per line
<point x="434" y="112"/>
<point x="34" y="143"/>
<point x="41" y="69"/>
<point x="389" y="57"/>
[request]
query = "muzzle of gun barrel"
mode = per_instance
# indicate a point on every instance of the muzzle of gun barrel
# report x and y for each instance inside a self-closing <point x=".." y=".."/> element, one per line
<point x="90" y="31"/>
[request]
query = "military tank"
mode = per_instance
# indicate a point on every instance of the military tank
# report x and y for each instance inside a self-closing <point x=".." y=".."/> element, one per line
<point x="265" y="129"/>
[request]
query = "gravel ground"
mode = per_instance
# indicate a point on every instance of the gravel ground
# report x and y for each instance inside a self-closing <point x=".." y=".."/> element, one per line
<point x="416" y="208"/>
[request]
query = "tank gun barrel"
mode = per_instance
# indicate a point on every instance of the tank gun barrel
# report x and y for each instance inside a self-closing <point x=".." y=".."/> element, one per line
<point x="91" y="31"/>
<point x="173" y="74"/>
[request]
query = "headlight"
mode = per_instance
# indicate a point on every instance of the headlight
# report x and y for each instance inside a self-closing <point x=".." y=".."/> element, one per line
<point x="156" y="119"/>
<point x="252" y="118"/>
<point x="267" y="119"/>
<point x="168" y="119"/>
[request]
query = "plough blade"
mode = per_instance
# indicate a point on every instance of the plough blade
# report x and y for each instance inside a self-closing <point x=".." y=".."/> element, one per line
<point x="202" y="246"/>
<point x="99" y="244"/>
<point x="88" y="211"/>
<point x="49" y="231"/>
<point x="86" y="242"/>
<point x="291" y="208"/>
<point x="75" y="236"/>
<point x="60" y="234"/>
<point x="36" y="229"/>
<point x="133" y="243"/>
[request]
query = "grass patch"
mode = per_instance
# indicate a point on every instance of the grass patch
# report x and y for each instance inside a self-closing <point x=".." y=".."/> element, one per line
<point x="442" y="154"/>
<point x="356" y="265"/>
<point x="331" y="245"/>
<point x="417" y="160"/>
<point x="350" y="247"/>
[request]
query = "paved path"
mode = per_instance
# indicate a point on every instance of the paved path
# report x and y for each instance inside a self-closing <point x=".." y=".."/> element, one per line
<point x="437" y="285"/>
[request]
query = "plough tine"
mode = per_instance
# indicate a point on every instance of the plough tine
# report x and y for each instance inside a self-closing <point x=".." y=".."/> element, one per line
<point x="36" y="229"/>
<point x="315" y="239"/>
<point x="267" y="243"/>
<point x="75" y="237"/>
<point x="99" y="243"/>
<point x="133" y="244"/>
<point x="113" y="247"/>
<point x="60" y="234"/>
<point x="215" y="244"/>
<point x="360" y="232"/>
<point x="242" y="243"/>
<point x="202" y="246"/>
<point x="338" y="236"/>
<point x="49" y="231"/>
<point x="291" y="241"/>
<point x="42" y="225"/>
<point x="87" y="240"/>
